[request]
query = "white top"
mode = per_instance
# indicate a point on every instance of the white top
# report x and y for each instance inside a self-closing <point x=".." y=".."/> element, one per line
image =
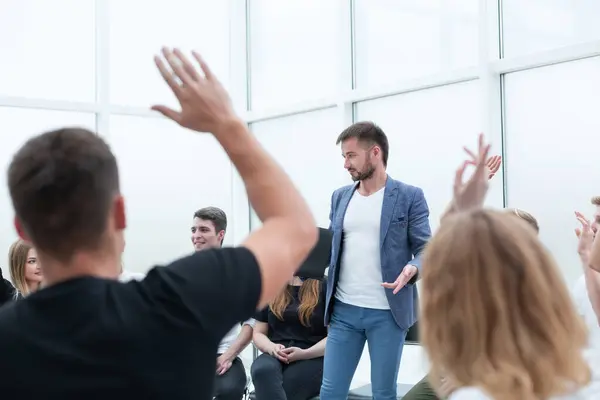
<point x="360" y="274"/>
<point x="232" y="336"/>
<point x="472" y="393"/>
<point x="127" y="276"/>
<point x="592" y="353"/>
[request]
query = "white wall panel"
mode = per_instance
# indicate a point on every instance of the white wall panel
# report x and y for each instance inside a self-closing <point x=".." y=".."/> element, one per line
<point x="551" y="125"/>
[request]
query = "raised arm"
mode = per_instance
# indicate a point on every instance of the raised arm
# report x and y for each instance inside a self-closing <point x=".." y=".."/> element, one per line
<point x="289" y="231"/>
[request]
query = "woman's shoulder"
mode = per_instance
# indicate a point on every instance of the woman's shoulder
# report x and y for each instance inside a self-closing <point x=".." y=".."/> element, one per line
<point x="469" y="393"/>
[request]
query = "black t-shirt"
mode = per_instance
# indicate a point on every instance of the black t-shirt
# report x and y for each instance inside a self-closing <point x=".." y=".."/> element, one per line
<point x="91" y="338"/>
<point x="290" y="332"/>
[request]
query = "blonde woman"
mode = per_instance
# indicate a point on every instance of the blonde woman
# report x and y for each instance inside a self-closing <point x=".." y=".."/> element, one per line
<point x="497" y="320"/>
<point x="25" y="271"/>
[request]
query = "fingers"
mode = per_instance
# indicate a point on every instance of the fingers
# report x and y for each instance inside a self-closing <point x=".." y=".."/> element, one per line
<point x="168" y="76"/>
<point x="578" y="233"/>
<point x="470" y="153"/>
<point x="176" y="65"/>
<point x="168" y="112"/>
<point x="401" y="282"/>
<point x="458" y="178"/>
<point x="205" y="69"/>
<point x="187" y="65"/>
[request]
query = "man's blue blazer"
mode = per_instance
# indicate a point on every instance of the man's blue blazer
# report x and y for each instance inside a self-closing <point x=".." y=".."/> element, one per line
<point x="404" y="233"/>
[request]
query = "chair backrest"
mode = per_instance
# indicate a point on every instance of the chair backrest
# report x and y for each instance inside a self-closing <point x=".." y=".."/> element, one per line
<point x="412" y="336"/>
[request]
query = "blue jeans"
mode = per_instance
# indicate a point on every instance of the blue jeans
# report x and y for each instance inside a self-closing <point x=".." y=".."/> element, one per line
<point x="349" y="328"/>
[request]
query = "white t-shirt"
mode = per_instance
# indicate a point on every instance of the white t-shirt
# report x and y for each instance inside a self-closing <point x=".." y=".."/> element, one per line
<point x="232" y="336"/>
<point x="127" y="276"/>
<point x="472" y="393"/>
<point x="592" y="353"/>
<point x="360" y="273"/>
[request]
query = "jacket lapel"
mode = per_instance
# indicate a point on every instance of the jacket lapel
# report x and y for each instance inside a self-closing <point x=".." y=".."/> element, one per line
<point x="390" y="196"/>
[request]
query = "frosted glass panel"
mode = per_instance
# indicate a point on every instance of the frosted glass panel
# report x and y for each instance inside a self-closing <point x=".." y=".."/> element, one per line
<point x="17" y="126"/>
<point x="294" y="51"/>
<point x="552" y="146"/>
<point x="537" y="25"/>
<point x="398" y="40"/>
<point x="48" y="49"/>
<point x="304" y="145"/>
<point x="427" y="130"/>
<point x="167" y="173"/>
<point x="138" y="31"/>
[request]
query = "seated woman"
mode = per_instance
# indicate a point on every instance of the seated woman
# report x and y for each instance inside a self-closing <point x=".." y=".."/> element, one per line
<point x="25" y="272"/>
<point x="423" y="390"/>
<point x="497" y="318"/>
<point x="291" y="334"/>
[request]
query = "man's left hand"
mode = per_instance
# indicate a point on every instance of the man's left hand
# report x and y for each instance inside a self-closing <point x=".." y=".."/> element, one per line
<point x="223" y="364"/>
<point x="408" y="272"/>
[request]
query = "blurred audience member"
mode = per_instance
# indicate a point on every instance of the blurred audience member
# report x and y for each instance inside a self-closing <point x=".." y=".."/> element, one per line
<point x="25" y="271"/>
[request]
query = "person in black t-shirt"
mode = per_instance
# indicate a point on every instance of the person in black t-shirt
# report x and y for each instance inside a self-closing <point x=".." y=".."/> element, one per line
<point x="291" y="334"/>
<point x="88" y="336"/>
<point x="8" y="292"/>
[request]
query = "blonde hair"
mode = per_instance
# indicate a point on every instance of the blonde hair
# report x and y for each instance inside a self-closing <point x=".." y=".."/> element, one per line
<point x="496" y="313"/>
<point x="309" y="294"/>
<point x="525" y="216"/>
<point x="17" y="261"/>
<point x="595" y="200"/>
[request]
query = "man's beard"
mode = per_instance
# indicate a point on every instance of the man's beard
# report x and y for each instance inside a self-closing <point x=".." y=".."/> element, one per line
<point x="366" y="173"/>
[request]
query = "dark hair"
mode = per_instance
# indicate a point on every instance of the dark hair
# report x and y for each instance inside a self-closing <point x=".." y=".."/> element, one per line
<point x="62" y="185"/>
<point x="595" y="200"/>
<point x="215" y="215"/>
<point x="367" y="132"/>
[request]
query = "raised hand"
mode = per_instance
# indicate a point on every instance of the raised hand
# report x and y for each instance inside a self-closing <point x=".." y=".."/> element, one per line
<point x="205" y="104"/>
<point x="586" y="238"/>
<point x="471" y="194"/>
<point x="493" y="165"/>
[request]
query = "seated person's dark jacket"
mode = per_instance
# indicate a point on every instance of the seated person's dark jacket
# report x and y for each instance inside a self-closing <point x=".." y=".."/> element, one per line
<point x="7" y="290"/>
<point x="290" y="332"/>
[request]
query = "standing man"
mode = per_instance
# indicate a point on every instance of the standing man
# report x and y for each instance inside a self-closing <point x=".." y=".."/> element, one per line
<point x="380" y="227"/>
<point x="208" y="231"/>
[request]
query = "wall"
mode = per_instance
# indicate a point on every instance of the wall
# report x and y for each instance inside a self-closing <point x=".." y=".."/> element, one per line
<point x="431" y="73"/>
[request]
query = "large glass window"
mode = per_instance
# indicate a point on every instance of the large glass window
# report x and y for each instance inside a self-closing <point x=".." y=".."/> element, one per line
<point x="398" y="40"/>
<point x="17" y="126"/>
<point x="551" y="155"/>
<point x="294" y="51"/>
<point x="48" y="49"/>
<point x="167" y="173"/>
<point x="138" y="31"/>
<point x="537" y="25"/>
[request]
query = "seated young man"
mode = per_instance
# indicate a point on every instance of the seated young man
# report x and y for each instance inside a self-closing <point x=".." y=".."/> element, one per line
<point x="291" y="334"/>
<point x="208" y="231"/>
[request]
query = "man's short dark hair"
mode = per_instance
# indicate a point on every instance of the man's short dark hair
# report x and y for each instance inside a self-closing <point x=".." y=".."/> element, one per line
<point x="215" y="215"/>
<point x="369" y="133"/>
<point x="62" y="185"/>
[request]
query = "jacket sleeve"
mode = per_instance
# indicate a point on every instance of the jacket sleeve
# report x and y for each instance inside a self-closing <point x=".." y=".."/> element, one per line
<point x="419" y="230"/>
